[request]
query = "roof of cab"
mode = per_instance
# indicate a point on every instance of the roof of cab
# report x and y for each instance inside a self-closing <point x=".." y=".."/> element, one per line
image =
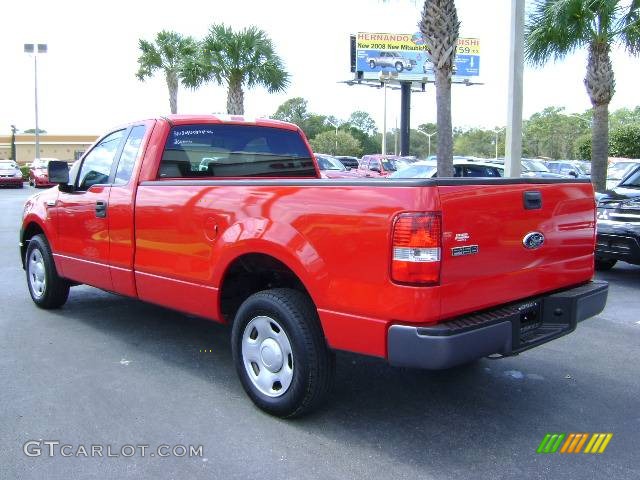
<point x="228" y="119"/>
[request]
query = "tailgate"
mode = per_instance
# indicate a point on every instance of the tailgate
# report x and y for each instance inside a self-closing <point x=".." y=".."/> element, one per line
<point x="485" y="261"/>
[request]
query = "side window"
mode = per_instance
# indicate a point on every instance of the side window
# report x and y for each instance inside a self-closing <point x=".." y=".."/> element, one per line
<point x="129" y="155"/>
<point x="364" y="164"/>
<point x="473" y="171"/>
<point x="374" y="164"/>
<point x="96" y="166"/>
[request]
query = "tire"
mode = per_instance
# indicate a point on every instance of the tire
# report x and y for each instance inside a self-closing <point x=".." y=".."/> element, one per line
<point x="47" y="289"/>
<point x="372" y="64"/>
<point x="399" y="67"/>
<point x="604" y="264"/>
<point x="280" y="353"/>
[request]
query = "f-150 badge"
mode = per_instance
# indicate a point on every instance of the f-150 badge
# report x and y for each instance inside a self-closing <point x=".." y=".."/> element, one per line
<point x="466" y="250"/>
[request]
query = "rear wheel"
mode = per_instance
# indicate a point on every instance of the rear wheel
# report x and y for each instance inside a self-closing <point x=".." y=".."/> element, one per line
<point x="604" y="264"/>
<point x="47" y="289"/>
<point x="280" y="352"/>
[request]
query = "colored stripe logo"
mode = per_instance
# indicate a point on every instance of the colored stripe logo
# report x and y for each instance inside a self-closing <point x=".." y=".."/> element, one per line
<point x="574" y="443"/>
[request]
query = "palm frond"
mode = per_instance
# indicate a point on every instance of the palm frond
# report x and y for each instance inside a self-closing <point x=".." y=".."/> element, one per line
<point x="555" y="28"/>
<point x="629" y="27"/>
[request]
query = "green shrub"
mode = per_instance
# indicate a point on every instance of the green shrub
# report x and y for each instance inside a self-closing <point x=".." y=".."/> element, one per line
<point x="25" y="172"/>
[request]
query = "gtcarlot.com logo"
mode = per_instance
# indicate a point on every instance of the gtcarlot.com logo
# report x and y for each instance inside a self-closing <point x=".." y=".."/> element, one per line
<point x="53" y="448"/>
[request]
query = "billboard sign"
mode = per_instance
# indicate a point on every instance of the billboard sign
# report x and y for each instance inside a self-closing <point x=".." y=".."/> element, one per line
<point x="405" y="54"/>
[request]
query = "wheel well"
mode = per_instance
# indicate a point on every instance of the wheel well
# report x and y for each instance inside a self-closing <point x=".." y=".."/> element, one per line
<point x="31" y="231"/>
<point x="253" y="273"/>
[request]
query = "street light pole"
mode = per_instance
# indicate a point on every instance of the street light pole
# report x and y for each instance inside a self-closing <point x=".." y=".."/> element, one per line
<point x="429" y="135"/>
<point x="35" y="49"/>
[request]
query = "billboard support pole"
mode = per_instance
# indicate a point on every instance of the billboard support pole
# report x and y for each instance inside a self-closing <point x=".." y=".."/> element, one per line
<point x="405" y="113"/>
<point x="512" y="165"/>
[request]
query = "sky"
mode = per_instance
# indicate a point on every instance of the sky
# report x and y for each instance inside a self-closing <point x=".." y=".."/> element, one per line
<point x="87" y="84"/>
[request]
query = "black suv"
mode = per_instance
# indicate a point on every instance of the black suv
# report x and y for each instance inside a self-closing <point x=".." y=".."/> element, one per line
<point x="619" y="223"/>
<point x="348" y="162"/>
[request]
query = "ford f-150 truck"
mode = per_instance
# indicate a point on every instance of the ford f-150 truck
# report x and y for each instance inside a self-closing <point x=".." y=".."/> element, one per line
<point x="440" y="272"/>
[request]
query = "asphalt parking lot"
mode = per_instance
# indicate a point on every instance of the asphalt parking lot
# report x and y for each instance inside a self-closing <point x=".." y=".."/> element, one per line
<point x="107" y="370"/>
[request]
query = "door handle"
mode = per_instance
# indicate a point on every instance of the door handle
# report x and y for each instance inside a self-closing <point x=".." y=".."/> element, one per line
<point x="101" y="209"/>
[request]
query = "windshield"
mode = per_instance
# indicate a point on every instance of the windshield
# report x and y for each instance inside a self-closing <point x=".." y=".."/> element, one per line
<point x="534" y="166"/>
<point x="415" y="171"/>
<point x="329" y="163"/>
<point x="618" y="170"/>
<point x="633" y="181"/>
<point x="40" y="163"/>
<point x="585" y="167"/>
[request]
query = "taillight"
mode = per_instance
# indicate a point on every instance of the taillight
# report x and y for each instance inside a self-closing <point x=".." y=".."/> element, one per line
<point x="417" y="240"/>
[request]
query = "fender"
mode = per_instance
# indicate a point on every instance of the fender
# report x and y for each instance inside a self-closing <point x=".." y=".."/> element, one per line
<point x="275" y="239"/>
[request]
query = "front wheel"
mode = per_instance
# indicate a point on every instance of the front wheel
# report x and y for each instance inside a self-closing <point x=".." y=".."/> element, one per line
<point x="399" y="67"/>
<point x="280" y="352"/>
<point x="47" y="289"/>
<point x="604" y="264"/>
<point x="372" y="64"/>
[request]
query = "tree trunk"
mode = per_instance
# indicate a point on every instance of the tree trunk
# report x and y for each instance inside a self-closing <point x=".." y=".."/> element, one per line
<point x="600" y="147"/>
<point x="172" y="84"/>
<point x="235" y="98"/>
<point x="600" y="84"/>
<point x="445" y="129"/>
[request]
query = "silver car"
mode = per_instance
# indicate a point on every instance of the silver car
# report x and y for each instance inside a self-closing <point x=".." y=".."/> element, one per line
<point x="391" y="59"/>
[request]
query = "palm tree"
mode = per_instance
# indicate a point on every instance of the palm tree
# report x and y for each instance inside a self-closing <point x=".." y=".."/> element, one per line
<point x="556" y="28"/>
<point x="170" y="53"/>
<point x="440" y="27"/>
<point x="238" y="59"/>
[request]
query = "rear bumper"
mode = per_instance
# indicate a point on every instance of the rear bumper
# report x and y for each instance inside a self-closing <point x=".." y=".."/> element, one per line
<point x="619" y="241"/>
<point x="12" y="181"/>
<point x="507" y="330"/>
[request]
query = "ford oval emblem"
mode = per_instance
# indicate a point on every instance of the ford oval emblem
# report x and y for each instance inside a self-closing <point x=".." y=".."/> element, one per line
<point x="533" y="240"/>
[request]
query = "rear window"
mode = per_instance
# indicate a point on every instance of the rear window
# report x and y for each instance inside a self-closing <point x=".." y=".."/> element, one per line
<point x="234" y="151"/>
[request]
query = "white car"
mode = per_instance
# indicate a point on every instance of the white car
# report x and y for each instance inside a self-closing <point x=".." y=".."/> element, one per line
<point x="462" y="168"/>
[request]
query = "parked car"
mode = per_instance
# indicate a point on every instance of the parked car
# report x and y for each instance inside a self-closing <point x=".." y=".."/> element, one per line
<point x="391" y="59"/>
<point x="378" y="165"/>
<point x="330" y="167"/>
<point x="38" y="175"/>
<point x="348" y="162"/>
<point x="618" y="223"/>
<point x="10" y="174"/>
<point x="616" y="171"/>
<point x="454" y="270"/>
<point x="532" y="168"/>
<point x="572" y="168"/>
<point x="462" y="168"/>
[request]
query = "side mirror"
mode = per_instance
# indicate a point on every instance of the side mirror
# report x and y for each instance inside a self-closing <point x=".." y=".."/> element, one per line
<point x="58" y="172"/>
<point x="347" y="168"/>
<point x="375" y="169"/>
<point x="573" y="173"/>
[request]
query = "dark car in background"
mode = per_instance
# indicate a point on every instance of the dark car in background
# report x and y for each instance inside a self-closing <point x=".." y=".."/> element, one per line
<point x="348" y="162"/>
<point x="572" y="168"/>
<point x="330" y="167"/>
<point x="618" y="223"/>
<point x="10" y="174"/>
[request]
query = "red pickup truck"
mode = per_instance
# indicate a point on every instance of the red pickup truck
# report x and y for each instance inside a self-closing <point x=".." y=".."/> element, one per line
<point x="229" y="219"/>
